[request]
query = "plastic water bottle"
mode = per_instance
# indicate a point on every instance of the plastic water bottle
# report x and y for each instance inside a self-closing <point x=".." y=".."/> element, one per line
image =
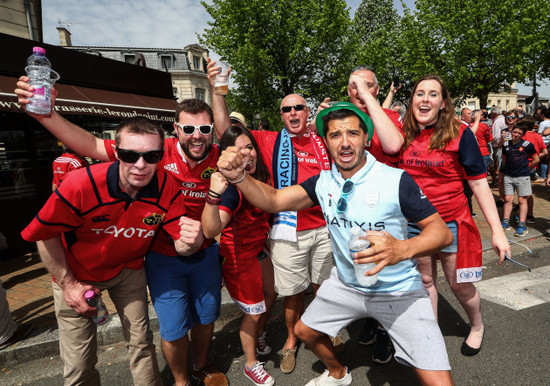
<point x="358" y="242"/>
<point x="39" y="71"/>
<point x="94" y="300"/>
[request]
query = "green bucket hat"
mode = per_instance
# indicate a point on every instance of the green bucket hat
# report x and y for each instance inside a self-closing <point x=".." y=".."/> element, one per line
<point x="344" y="106"/>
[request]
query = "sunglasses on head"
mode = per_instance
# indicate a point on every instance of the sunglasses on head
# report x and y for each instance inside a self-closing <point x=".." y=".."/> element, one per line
<point x="288" y="109"/>
<point x="510" y="117"/>
<point x="190" y="129"/>
<point x="131" y="156"/>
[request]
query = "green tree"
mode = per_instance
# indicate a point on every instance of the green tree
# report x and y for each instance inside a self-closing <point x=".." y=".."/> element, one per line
<point x="478" y="47"/>
<point x="279" y="47"/>
<point x="377" y="35"/>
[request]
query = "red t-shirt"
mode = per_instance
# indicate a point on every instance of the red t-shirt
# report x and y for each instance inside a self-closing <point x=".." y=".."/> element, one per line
<point x="65" y="163"/>
<point x="375" y="148"/>
<point x="308" y="166"/>
<point x="536" y="139"/>
<point x="194" y="184"/>
<point x="484" y="135"/>
<point x="244" y="236"/>
<point x="103" y="229"/>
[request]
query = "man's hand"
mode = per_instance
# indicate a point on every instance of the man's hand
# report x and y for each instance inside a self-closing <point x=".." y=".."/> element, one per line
<point x="477" y="116"/>
<point x="384" y="250"/>
<point x="74" y="297"/>
<point x="232" y="162"/>
<point x="218" y="183"/>
<point x="191" y="236"/>
<point x="213" y="70"/>
<point x="24" y="91"/>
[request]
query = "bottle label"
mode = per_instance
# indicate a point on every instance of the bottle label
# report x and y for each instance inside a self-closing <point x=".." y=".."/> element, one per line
<point x="39" y="92"/>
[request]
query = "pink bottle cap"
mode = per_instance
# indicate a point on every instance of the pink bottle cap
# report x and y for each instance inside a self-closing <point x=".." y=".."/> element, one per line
<point x="89" y="295"/>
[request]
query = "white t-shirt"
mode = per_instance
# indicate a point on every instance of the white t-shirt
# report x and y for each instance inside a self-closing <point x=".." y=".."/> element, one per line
<point x="544" y="125"/>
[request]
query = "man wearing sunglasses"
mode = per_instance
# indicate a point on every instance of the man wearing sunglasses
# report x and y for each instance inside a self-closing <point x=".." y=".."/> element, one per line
<point x="190" y="159"/>
<point x="92" y="234"/>
<point x="360" y="191"/>
<point x="299" y="243"/>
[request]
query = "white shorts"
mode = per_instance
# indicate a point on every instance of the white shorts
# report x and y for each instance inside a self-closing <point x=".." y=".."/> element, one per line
<point x="407" y="316"/>
<point x="297" y="264"/>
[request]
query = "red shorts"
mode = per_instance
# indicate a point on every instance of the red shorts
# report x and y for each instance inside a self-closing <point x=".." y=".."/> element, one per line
<point x="243" y="280"/>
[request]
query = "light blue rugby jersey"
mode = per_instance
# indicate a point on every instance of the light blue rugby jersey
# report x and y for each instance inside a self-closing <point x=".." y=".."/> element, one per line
<point x="381" y="199"/>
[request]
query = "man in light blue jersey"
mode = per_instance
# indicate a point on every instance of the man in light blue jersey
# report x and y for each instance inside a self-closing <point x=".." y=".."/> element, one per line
<point x="360" y="191"/>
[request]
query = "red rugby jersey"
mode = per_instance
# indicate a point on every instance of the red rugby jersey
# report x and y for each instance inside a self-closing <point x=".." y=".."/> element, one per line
<point x="65" y="163"/>
<point x="308" y="166"/>
<point x="244" y="236"/>
<point x="375" y="148"/>
<point x="103" y="229"/>
<point x="194" y="184"/>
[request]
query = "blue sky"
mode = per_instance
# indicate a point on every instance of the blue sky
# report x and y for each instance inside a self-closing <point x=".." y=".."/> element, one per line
<point x="136" y="23"/>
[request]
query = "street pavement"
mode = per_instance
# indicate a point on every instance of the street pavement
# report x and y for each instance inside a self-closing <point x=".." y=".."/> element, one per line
<point x="515" y="303"/>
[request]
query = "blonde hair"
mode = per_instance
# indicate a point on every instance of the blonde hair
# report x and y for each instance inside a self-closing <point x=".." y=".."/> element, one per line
<point x="446" y="128"/>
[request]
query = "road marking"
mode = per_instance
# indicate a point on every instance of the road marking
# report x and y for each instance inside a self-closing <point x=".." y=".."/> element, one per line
<point x="518" y="290"/>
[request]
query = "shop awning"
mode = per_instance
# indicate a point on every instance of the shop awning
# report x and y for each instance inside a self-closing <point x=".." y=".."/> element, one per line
<point x="76" y="100"/>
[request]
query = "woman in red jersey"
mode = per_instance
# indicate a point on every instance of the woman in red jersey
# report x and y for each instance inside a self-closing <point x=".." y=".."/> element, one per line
<point x="438" y="154"/>
<point x="246" y="269"/>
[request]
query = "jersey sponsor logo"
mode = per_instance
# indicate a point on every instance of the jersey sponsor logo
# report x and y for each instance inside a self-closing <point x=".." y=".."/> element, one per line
<point x="303" y="153"/>
<point x="206" y="173"/>
<point x="193" y="194"/>
<point x="154" y="219"/>
<point x="172" y="168"/>
<point x="188" y="185"/>
<point x="104" y="218"/>
<point x="365" y="226"/>
<point x="125" y="232"/>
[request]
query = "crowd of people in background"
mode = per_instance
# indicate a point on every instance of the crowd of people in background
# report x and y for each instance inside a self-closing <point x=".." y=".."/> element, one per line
<point x="405" y="173"/>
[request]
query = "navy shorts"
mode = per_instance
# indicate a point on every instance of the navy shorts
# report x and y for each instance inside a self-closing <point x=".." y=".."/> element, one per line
<point x="185" y="290"/>
<point x="414" y="230"/>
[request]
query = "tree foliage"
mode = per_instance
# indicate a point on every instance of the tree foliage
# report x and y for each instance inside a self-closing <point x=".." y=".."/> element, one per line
<point x="376" y="32"/>
<point x="279" y="47"/>
<point x="476" y="46"/>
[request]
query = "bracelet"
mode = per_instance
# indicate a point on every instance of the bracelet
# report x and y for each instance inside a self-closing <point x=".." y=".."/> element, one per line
<point x="239" y="180"/>
<point x="213" y="201"/>
<point x="213" y="194"/>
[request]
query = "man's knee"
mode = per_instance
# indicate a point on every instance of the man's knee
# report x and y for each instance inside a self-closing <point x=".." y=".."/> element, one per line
<point x="306" y="334"/>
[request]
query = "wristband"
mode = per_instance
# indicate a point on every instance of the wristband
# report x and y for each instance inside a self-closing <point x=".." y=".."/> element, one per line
<point x="239" y="180"/>
<point x="213" y="201"/>
<point x="213" y="194"/>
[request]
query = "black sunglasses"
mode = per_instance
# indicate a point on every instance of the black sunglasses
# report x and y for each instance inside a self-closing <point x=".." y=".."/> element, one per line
<point x="342" y="204"/>
<point x="288" y="109"/>
<point x="190" y="129"/>
<point x="131" y="156"/>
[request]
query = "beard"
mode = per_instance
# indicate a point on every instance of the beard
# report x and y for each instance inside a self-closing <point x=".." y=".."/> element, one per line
<point x="187" y="152"/>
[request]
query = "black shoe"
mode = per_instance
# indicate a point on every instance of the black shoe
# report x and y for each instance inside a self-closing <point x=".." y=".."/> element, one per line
<point x="368" y="335"/>
<point x="474" y="215"/>
<point x="468" y="351"/>
<point x="383" y="350"/>
<point x="22" y="331"/>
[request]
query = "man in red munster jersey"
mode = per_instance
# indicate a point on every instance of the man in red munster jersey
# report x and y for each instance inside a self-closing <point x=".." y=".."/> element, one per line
<point x="186" y="292"/>
<point x="92" y="234"/>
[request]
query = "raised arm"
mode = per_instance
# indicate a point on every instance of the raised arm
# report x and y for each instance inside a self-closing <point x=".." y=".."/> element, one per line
<point x="221" y="116"/>
<point x="390" y="138"/>
<point x="231" y="164"/>
<point x="389" y="99"/>
<point x="73" y="136"/>
<point x="53" y="255"/>
<point x="213" y="219"/>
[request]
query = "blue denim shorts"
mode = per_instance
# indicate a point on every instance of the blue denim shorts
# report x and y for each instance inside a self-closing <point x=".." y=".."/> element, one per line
<point x="184" y="290"/>
<point x="414" y="231"/>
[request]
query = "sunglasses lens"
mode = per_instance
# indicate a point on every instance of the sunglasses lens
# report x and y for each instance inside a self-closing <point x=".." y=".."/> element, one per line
<point x="153" y="157"/>
<point x="128" y="156"/>
<point x="188" y="129"/>
<point x="205" y="129"/>
<point x="299" y="107"/>
<point x="342" y="205"/>
<point x="347" y="188"/>
<point x="286" y="109"/>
